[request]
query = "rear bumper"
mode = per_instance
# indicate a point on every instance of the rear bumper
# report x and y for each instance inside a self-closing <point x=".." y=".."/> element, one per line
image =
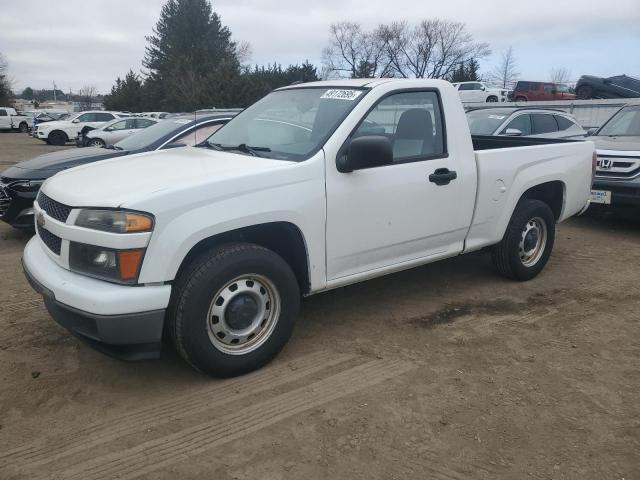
<point x="128" y="336"/>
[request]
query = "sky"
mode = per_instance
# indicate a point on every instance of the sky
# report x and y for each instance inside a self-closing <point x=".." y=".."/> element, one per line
<point x="81" y="43"/>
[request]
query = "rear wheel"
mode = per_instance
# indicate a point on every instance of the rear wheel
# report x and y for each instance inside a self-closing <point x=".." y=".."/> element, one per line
<point x="521" y="99"/>
<point x="57" y="137"/>
<point x="492" y="98"/>
<point x="24" y="128"/>
<point x="585" y="92"/>
<point x="233" y="309"/>
<point x="527" y="244"/>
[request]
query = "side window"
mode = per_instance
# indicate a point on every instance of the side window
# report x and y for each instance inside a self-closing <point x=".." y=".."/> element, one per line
<point x="477" y="86"/>
<point x="121" y="125"/>
<point x="102" y="117"/>
<point x="466" y="86"/>
<point x="522" y="123"/>
<point x="544" y="124"/>
<point x="3" y="112"/>
<point x="85" y="117"/>
<point x="565" y="124"/>
<point x="548" y="87"/>
<point x="198" y="135"/>
<point x="130" y="124"/>
<point x="413" y="123"/>
<point x="534" y="86"/>
<point x="144" y="123"/>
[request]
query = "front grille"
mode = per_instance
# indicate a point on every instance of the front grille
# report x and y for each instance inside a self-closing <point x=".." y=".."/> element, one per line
<point x="617" y="167"/>
<point x="5" y="201"/>
<point x="53" y="242"/>
<point x="54" y="209"/>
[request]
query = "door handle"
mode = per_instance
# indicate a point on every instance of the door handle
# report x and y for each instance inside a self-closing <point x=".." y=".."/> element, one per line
<point x="442" y="176"/>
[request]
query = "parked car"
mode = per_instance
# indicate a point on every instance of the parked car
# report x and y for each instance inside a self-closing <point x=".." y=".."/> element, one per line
<point x="295" y="196"/>
<point x="20" y="183"/>
<point x="620" y="86"/>
<point x="45" y="117"/>
<point x="113" y="131"/>
<point x="10" y="120"/>
<point x="159" y="115"/>
<point x="617" y="180"/>
<point x="526" y="122"/>
<point x="60" y="132"/>
<point x="525" y="91"/>
<point x="478" y="92"/>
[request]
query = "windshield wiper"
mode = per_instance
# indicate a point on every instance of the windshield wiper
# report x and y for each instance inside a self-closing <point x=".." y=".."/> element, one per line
<point x="243" y="147"/>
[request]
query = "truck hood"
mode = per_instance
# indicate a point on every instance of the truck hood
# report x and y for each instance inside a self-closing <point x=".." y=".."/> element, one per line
<point x="49" y="164"/>
<point x="119" y="181"/>
<point x="626" y="144"/>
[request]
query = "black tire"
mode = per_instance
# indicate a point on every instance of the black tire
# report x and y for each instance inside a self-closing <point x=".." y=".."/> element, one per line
<point x="95" y="142"/>
<point x="492" y="98"/>
<point x="585" y="92"/>
<point x="23" y="127"/>
<point x="57" y="137"/>
<point x="506" y="255"/>
<point x="189" y="316"/>
<point x="521" y="99"/>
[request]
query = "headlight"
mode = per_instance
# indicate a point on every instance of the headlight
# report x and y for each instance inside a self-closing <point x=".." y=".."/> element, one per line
<point x="119" y="266"/>
<point x="43" y="127"/>
<point x="115" y="221"/>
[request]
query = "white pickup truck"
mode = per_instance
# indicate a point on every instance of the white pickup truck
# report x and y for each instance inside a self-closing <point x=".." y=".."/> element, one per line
<point x="314" y="187"/>
<point x="10" y="120"/>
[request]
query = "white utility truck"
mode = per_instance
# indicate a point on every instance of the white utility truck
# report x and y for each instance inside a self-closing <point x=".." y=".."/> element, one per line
<point x="314" y="187"/>
<point x="11" y="120"/>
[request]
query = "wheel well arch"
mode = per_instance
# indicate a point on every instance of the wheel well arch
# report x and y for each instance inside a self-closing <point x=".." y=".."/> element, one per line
<point x="283" y="238"/>
<point x="552" y="193"/>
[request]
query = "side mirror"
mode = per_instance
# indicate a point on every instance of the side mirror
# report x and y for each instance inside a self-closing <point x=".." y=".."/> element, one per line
<point x="76" y="121"/>
<point x="366" y="152"/>
<point x="592" y="131"/>
<point x="513" y="132"/>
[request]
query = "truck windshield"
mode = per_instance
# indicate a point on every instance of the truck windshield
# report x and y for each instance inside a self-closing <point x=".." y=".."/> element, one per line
<point x="289" y="124"/>
<point x="626" y="123"/>
<point x="485" y="122"/>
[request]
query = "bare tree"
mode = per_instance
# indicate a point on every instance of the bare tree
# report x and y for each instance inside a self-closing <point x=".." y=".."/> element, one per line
<point x="432" y="48"/>
<point x="560" y="75"/>
<point x="244" y="52"/>
<point x="353" y="52"/>
<point x="5" y="81"/>
<point x="505" y="73"/>
<point x="87" y="95"/>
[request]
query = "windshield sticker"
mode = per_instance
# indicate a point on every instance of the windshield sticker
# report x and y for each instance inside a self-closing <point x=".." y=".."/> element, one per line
<point x="497" y="117"/>
<point x="349" y="95"/>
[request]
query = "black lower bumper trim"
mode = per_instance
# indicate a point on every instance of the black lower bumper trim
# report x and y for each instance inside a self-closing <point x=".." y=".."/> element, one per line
<point x="135" y="336"/>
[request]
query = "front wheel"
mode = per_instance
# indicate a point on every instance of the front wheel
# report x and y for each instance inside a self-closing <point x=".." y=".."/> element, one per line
<point x="527" y="244"/>
<point x="23" y="128"/>
<point x="233" y="309"/>
<point x="585" y="92"/>
<point x="492" y="98"/>
<point x="96" y="142"/>
<point x="57" y="137"/>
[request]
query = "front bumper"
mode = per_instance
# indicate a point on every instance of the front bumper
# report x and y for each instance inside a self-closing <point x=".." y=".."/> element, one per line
<point x="623" y="192"/>
<point x="20" y="211"/>
<point x="122" y="321"/>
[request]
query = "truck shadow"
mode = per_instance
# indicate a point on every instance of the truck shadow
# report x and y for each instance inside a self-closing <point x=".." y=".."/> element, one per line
<point x="619" y="220"/>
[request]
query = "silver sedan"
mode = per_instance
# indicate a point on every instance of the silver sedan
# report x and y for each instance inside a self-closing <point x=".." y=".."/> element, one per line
<point x="117" y="130"/>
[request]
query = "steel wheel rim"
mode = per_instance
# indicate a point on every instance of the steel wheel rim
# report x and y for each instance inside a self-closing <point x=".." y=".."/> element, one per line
<point x="533" y="241"/>
<point x="222" y="318"/>
<point x="95" y="143"/>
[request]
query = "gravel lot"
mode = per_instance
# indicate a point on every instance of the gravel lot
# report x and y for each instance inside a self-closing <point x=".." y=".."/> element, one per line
<point x="442" y="372"/>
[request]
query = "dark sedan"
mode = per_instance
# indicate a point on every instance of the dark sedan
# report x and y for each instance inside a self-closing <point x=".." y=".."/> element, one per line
<point x="620" y="86"/>
<point x="20" y="183"/>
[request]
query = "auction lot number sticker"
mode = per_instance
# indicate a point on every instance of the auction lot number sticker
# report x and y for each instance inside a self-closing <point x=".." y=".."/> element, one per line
<point x="349" y="95"/>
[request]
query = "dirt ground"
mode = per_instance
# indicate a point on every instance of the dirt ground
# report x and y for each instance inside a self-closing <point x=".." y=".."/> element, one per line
<point x="443" y="372"/>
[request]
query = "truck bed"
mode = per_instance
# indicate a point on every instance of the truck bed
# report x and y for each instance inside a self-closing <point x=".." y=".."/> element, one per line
<point x="493" y="142"/>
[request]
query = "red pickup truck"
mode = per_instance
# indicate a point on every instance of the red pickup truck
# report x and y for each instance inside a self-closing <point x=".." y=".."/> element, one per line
<point x="540" y="91"/>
